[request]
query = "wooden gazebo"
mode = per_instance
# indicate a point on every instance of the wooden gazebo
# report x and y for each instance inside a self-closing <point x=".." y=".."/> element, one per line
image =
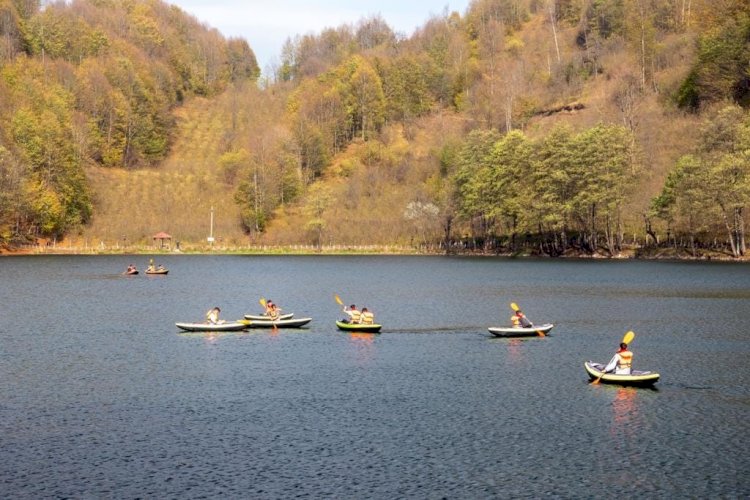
<point x="161" y="236"/>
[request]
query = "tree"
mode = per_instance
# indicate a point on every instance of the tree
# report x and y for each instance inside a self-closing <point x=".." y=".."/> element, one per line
<point x="318" y="200"/>
<point x="684" y="199"/>
<point x="366" y="99"/>
<point x="726" y="147"/>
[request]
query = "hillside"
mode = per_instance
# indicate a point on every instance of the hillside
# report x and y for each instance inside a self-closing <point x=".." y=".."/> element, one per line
<point x="177" y="196"/>
<point x="515" y="127"/>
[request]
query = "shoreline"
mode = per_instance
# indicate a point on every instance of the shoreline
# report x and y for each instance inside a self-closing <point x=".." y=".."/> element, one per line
<point x="665" y="254"/>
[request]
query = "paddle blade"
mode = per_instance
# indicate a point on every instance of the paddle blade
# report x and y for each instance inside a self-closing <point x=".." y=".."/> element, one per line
<point x="628" y="338"/>
<point x="262" y="301"/>
<point x="514" y="306"/>
<point x="338" y="299"/>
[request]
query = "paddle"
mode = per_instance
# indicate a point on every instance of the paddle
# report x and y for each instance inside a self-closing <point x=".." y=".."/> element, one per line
<point x="626" y="339"/>
<point x="515" y="307"/>
<point x="340" y="302"/>
<point x="263" y="302"/>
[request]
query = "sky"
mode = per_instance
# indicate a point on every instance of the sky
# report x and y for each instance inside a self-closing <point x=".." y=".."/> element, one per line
<point x="266" y="24"/>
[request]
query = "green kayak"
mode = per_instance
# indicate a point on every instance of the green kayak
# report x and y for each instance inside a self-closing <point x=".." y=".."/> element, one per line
<point x="358" y="327"/>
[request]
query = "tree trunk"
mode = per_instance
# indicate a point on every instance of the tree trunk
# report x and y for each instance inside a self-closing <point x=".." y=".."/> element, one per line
<point x="554" y="29"/>
<point x="740" y="224"/>
<point x="592" y="229"/>
<point x="731" y="232"/>
<point x="447" y="232"/>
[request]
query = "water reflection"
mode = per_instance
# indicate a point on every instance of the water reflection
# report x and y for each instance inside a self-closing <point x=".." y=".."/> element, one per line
<point x="625" y="412"/>
<point x="364" y="347"/>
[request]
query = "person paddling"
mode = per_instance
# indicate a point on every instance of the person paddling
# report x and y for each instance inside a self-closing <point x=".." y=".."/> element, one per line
<point x="212" y="316"/>
<point x="272" y="310"/>
<point x="519" y="320"/>
<point x="621" y="362"/>
<point x="355" y="317"/>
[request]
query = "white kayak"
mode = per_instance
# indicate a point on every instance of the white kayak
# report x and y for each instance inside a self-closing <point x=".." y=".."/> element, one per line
<point x="229" y="326"/>
<point x="279" y="323"/>
<point x="635" y="378"/>
<point x="519" y="331"/>
<point x="264" y="317"/>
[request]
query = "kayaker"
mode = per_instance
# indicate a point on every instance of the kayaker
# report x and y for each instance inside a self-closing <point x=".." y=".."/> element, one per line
<point x="355" y="317"/>
<point x="519" y="320"/>
<point x="621" y="362"/>
<point x="272" y="310"/>
<point x="367" y="317"/>
<point x="212" y="316"/>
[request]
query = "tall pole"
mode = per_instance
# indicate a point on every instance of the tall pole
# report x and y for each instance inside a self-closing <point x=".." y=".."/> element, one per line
<point x="211" y="233"/>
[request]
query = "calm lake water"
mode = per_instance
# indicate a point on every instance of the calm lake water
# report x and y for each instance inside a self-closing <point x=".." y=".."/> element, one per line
<point x="102" y="397"/>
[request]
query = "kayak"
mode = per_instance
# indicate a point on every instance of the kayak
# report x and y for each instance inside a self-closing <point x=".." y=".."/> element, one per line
<point x="279" y="323"/>
<point x="157" y="271"/>
<point x="130" y="273"/>
<point x="230" y="326"/>
<point x="517" y="331"/>
<point x="264" y="317"/>
<point x="358" y="327"/>
<point x="636" y="378"/>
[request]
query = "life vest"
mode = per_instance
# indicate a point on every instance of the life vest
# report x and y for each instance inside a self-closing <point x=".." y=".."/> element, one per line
<point x="515" y="320"/>
<point x="624" y="360"/>
<point x="356" y="315"/>
<point x="368" y="318"/>
<point x="212" y="316"/>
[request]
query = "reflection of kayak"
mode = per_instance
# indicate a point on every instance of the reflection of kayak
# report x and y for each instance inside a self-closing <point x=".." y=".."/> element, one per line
<point x="264" y="317"/>
<point x="279" y="323"/>
<point x="637" y="378"/>
<point x="517" y="331"/>
<point x="231" y="326"/>
<point x="350" y="327"/>
<point x="157" y="271"/>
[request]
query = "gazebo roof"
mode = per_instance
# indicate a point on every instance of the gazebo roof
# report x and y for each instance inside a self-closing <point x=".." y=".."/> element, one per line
<point x="162" y="236"/>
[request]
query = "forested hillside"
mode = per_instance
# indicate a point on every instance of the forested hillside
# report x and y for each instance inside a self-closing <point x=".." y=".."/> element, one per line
<point x="95" y="83"/>
<point x="519" y="126"/>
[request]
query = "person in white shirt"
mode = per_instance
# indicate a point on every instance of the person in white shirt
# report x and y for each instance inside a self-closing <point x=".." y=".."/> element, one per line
<point x="212" y="316"/>
<point x="355" y="317"/>
<point x="622" y="362"/>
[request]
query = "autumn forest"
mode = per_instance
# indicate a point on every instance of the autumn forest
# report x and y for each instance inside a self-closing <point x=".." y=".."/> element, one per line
<point x="542" y="127"/>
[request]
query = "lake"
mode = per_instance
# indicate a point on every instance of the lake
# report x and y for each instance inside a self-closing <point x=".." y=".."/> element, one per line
<point x="102" y="397"/>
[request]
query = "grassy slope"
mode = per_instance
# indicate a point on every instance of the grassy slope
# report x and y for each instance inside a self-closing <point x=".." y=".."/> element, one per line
<point x="178" y="196"/>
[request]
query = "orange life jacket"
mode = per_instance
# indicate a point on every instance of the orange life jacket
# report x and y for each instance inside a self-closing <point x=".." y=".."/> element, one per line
<point x="625" y="360"/>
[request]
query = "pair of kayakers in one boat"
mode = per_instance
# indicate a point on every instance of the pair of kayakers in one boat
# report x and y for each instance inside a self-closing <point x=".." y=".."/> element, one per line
<point x="131" y="269"/>
<point x="151" y="267"/>
<point x="212" y="316"/>
<point x="357" y="317"/>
